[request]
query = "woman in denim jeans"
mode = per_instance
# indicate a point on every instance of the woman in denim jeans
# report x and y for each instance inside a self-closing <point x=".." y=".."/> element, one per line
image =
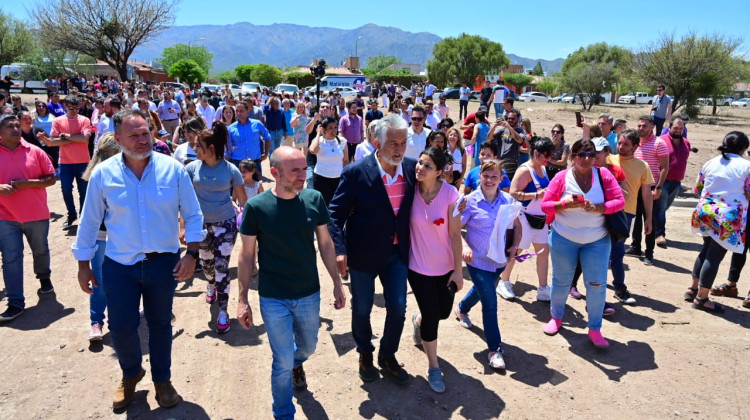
<point x="578" y="198"/>
<point x="479" y="215"/>
<point x="105" y="149"/>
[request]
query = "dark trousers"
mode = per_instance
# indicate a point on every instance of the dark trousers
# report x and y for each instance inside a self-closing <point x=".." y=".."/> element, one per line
<point x="463" y="109"/>
<point x="738" y="261"/>
<point x="434" y="299"/>
<point x="659" y="123"/>
<point x="707" y="264"/>
<point x="125" y="284"/>
<point x="640" y="217"/>
<point x="326" y="186"/>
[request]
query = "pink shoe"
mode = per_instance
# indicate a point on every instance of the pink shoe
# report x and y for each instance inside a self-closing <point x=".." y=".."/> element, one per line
<point x="575" y="294"/>
<point x="596" y="338"/>
<point x="552" y="326"/>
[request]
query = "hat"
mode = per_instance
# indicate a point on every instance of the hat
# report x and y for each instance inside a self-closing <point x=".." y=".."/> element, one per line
<point x="600" y="143"/>
<point x="162" y="133"/>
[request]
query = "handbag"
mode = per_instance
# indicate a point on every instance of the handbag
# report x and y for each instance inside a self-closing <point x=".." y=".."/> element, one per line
<point x="616" y="223"/>
<point x="536" y="221"/>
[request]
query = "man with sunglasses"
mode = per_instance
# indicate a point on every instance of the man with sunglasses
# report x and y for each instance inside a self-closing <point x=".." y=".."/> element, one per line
<point x="416" y="136"/>
<point x="662" y="108"/>
<point x="509" y="136"/>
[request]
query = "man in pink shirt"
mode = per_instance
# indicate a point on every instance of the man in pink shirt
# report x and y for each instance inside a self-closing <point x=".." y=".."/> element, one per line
<point x="25" y="172"/>
<point x="679" y="151"/>
<point x="71" y="132"/>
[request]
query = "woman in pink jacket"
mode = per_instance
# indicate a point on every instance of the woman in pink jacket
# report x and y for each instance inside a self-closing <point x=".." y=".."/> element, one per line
<point x="577" y="200"/>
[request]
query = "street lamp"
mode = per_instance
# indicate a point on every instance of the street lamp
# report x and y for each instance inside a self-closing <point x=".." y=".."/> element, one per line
<point x="190" y="46"/>
<point x="355" y="46"/>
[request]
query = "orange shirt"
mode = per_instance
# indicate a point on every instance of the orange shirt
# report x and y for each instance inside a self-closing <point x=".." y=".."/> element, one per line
<point x="73" y="152"/>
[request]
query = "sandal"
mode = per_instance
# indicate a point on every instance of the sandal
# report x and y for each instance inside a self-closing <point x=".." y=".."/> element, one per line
<point x="690" y="294"/>
<point x="724" y="290"/>
<point x="717" y="309"/>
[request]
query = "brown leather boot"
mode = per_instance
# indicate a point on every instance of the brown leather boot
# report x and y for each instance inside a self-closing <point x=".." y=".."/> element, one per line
<point x="166" y="395"/>
<point x="124" y="393"/>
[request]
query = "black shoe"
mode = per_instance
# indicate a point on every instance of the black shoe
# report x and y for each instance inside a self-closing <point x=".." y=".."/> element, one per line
<point x="46" y="286"/>
<point x="11" y="313"/>
<point x="624" y="297"/>
<point x="299" y="379"/>
<point x="367" y="371"/>
<point x="393" y="368"/>
<point x="69" y="222"/>
<point x="634" y="251"/>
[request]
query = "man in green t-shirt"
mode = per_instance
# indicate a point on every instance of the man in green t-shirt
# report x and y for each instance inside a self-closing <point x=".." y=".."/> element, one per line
<point x="283" y="221"/>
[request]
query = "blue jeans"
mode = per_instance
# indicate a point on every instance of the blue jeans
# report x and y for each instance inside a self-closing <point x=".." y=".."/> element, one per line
<point x="594" y="256"/>
<point x="484" y="290"/>
<point x="68" y="173"/>
<point x="393" y="280"/>
<point x="98" y="300"/>
<point x="669" y="191"/>
<point x="660" y="214"/>
<point x="153" y="279"/>
<point x="292" y="328"/>
<point x="276" y="136"/>
<point x="616" y="259"/>
<point x="498" y="110"/>
<point x="11" y="248"/>
<point x="310" y="176"/>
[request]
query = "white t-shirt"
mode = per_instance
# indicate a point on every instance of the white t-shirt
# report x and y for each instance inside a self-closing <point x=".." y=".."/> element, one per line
<point x="415" y="142"/>
<point x="457" y="160"/>
<point x="576" y="224"/>
<point x="330" y="157"/>
<point x="499" y="95"/>
<point x="363" y="150"/>
<point x="185" y="154"/>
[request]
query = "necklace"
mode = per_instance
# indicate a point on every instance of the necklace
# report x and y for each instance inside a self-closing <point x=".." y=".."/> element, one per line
<point x="431" y="194"/>
<point x="583" y="181"/>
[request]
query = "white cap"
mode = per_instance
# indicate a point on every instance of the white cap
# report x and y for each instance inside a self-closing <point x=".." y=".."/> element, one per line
<point x="600" y="143"/>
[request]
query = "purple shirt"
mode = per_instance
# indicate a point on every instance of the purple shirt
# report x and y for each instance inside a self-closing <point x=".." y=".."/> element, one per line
<point x="351" y="128"/>
<point x="479" y="218"/>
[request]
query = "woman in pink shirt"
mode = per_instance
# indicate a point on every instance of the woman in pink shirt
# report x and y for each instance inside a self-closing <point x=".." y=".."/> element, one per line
<point x="435" y="270"/>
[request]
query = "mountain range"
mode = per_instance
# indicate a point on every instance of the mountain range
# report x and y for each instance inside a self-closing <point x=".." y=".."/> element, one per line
<point x="288" y="45"/>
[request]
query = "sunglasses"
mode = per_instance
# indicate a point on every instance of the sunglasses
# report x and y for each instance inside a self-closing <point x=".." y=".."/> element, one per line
<point x="584" y="155"/>
<point x="556" y="132"/>
<point x="417" y="118"/>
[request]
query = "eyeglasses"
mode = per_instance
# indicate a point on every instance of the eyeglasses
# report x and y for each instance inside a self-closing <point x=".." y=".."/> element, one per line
<point x="584" y="155"/>
<point x="556" y="132"/>
<point x="512" y="119"/>
<point x="417" y="118"/>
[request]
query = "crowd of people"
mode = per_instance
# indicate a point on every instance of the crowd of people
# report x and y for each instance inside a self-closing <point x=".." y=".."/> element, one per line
<point x="406" y="196"/>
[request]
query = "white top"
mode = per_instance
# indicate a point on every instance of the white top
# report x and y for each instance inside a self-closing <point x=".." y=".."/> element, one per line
<point x="252" y="191"/>
<point x="576" y="224"/>
<point x="330" y="157"/>
<point x="457" y="160"/>
<point x="499" y="95"/>
<point x="433" y="119"/>
<point x="207" y="113"/>
<point x="184" y="153"/>
<point x="415" y="143"/>
<point x="363" y="150"/>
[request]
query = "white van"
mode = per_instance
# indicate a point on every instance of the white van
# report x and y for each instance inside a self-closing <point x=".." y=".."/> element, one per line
<point x="355" y="82"/>
<point x="16" y="73"/>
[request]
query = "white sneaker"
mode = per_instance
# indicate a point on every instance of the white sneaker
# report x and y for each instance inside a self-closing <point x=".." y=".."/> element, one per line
<point x="463" y="319"/>
<point x="505" y="290"/>
<point x="543" y="293"/>
<point x="496" y="360"/>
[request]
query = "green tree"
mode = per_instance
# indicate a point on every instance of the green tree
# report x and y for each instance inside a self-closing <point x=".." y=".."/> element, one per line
<point x="299" y="78"/>
<point x="381" y="62"/>
<point x="106" y="30"/>
<point x="589" y="80"/>
<point x="177" y="52"/>
<point x="266" y="74"/>
<point x="464" y="58"/>
<point x="538" y="70"/>
<point x="15" y="38"/>
<point x="548" y="86"/>
<point x="519" y="80"/>
<point x="188" y="71"/>
<point x="228" y="76"/>
<point x="244" y="72"/>
<point x="691" y="66"/>
<point x="601" y="53"/>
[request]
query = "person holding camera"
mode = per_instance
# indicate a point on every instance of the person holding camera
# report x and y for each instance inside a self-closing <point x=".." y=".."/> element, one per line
<point x="662" y="109"/>
<point x="435" y="268"/>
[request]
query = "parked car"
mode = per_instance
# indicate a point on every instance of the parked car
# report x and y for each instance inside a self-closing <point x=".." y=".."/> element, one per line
<point x="559" y="98"/>
<point x="451" y="93"/>
<point x="176" y="86"/>
<point x="741" y="102"/>
<point x="287" y="88"/>
<point x="724" y="100"/>
<point x="250" y="88"/>
<point x="636" y="98"/>
<point x="534" y="97"/>
<point x="570" y="98"/>
<point x="235" y="89"/>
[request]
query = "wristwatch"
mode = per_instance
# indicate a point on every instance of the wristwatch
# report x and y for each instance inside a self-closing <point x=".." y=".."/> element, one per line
<point x="193" y="254"/>
<point x="62" y="136"/>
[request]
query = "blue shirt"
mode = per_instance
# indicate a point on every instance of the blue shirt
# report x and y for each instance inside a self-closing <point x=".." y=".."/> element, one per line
<point x="612" y="140"/>
<point x="288" y="119"/>
<point x="245" y="140"/>
<point x="473" y="181"/>
<point x="465" y="92"/>
<point x="479" y="218"/>
<point x="141" y="216"/>
<point x="274" y="119"/>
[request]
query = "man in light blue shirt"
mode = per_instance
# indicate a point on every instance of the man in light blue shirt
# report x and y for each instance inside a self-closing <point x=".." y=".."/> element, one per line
<point x="139" y="196"/>
<point x="463" y="101"/>
<point x="248" y="138"/>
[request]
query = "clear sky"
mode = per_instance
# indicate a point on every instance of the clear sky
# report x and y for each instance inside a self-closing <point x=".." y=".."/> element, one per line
<point x="546" y="29"/>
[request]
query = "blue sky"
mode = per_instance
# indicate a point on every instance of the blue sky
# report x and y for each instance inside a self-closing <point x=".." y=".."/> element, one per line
<point x="544" y="29"/>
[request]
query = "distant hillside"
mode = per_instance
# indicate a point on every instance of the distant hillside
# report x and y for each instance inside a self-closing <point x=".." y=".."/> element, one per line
<point x="285" y="45"/>
<point x="550" y="66"/>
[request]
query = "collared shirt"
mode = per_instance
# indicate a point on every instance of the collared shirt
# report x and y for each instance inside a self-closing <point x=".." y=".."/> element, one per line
<point x="245" y="139"/>
<point x="207" y="113"/>
<point x="163" y="110"/>
<point x="433" y="119"/>
<point x="479" y="217"/>
<point x="395" y="187"/>
<point x="650" y="151"/>
<point x="141" y="216"/>
<point x="678" y="157"/>
<point x="105" y="125"/>
<point x="274" y="119"/>
<point x="415" y="142"/>
<point x="24" y="162"/>
<point x="612" y="140"/>
<point x="350" y="127"/>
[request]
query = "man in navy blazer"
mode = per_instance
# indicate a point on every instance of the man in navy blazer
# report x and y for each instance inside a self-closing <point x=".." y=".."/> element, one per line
<point x="370" y="228"/>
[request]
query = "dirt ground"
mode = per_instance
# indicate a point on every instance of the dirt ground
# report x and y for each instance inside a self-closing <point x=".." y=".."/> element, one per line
<point x="666" y="359"/>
